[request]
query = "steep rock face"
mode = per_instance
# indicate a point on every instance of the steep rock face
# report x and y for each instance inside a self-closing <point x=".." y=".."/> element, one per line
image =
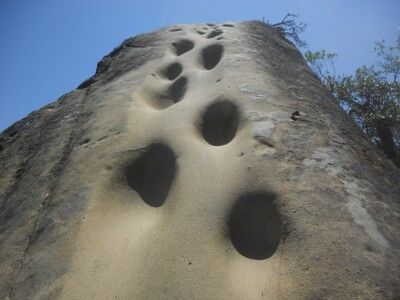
<point x="200" y="161"/>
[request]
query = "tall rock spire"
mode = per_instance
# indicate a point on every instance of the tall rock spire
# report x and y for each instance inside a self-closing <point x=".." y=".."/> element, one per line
<point x="200" y="161"/>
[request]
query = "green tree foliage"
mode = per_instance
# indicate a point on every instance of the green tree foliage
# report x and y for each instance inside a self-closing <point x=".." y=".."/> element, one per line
<point x="371" y="96"/>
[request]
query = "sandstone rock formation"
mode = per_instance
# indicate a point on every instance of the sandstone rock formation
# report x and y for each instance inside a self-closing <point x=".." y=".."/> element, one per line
<point x="199" y="162"/>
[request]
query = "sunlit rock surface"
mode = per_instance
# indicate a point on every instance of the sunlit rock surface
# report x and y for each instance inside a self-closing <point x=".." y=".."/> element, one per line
<point x="200" y="161"/>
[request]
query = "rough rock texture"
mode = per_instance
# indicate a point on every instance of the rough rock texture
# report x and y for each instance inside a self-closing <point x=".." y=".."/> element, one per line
<point x="200" y="161"/>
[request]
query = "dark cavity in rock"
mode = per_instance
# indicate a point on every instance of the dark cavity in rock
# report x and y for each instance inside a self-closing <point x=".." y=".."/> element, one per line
<point x="169" y="95"/>
<point x="177" y="90"/>
<point x="255" y="226"/>
<point x="182" y="46"/>
<point x="214" y="33"/>
<point x="172" y="71"/>
<point x="152" y="174"/>
<point x="85" y="141"/>
<point x="219" y="122"/>
<point x="211" y="55"/>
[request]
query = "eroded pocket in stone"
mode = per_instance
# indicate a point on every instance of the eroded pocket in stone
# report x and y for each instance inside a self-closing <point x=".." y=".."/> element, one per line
<point x="167" y="96"/>
<point x="177" y="90"/>
<point x="172" y="71"/>
<point x="182" y="46"/>
<point x="211" y="55"/>
<point x="219" y="122"/>
<point x="214" y="33"/>
<point x="255" y="227"/>
<point x="152" y="174"/>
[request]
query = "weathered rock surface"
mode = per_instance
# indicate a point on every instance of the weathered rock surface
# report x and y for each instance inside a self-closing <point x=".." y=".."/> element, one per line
<point x="200" y="161"/>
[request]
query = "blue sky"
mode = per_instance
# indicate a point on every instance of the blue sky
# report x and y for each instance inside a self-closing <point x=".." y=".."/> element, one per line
<point x="48" y="47"/>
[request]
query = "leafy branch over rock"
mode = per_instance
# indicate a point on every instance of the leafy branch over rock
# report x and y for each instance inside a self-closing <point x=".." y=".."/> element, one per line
<point x="371" y="96"/>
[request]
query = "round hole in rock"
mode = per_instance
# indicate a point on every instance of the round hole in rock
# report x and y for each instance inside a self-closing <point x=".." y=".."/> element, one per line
<point x="220" y="122"/>
<point x="211" y="56"/>
<point x="172" y="71"/>
<point x="177" y="90"/>
<point x="214" y="33"/>
<point x="168" y="95"/>
<point x="183" y="46"/>
<point x="255" y="225"/>
<point x="152" y="174"/>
